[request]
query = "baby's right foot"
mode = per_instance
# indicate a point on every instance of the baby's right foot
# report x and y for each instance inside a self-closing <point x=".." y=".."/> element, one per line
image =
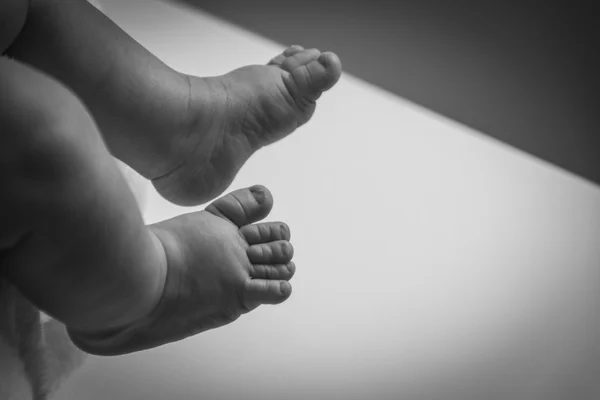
<point x="234" y="115"/>
<point x="220" y="266"/>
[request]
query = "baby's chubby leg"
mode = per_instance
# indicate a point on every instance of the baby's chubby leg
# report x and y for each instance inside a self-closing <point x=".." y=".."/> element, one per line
<point x="189" y="135"/>
<point x="73" y="241"/>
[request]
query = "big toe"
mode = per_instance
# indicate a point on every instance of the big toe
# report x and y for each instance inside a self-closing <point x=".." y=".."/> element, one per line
<point x="266" y="291"/>
<point x="243" y="206"/>
<point x="311" y="72"/>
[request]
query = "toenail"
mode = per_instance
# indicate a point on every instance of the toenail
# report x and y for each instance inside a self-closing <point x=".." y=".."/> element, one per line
<point x="291" y="267"/>
<point x="284" y="231"/>
<point x="323" y="59"/>
<point x="258" y="194"/>
<point x="284" y="287"/>
<point x="286" y="249"/>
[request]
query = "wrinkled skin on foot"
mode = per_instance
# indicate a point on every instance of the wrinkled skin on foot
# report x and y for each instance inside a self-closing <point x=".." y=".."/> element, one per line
<point x="238" y="113"/>
<point x="220" y="266"/>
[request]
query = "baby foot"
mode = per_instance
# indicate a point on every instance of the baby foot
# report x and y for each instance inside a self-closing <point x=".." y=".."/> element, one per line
<point x="236" y="114"/>
<point x="220" y="266"/>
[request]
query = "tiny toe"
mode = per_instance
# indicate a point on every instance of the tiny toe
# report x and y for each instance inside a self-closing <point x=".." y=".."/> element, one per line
<point x="311" y="73"/>
<point x="283" y="272"/>
<point x="279" y="252"/>
<point x="301" y="58"/>
<point x="265" y="232"/>
<point x="265" y="291"/>
<point x="293" y="49"/>
<point x="290" y="51"/>
<point x="277" y="60"/>
<point x="243" y="206"/>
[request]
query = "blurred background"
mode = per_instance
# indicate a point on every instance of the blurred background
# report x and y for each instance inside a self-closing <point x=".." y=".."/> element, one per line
<point x="443" y="203"/>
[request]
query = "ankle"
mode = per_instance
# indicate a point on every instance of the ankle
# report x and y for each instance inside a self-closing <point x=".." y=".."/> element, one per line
<point x="134" y="308"/>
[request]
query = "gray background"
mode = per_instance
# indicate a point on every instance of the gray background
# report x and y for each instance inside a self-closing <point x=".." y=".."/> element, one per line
<point x="523" y="72"/>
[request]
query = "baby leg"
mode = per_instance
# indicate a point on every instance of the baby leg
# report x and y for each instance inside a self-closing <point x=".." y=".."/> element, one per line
<point x="74" y="244"/>
<point x="72" y="239"/>
<point x="190" y="135"/>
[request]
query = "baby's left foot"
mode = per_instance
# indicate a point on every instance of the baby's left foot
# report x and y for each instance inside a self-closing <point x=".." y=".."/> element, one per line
<point x="234" y="115"/>
<point x="220" y="264"/>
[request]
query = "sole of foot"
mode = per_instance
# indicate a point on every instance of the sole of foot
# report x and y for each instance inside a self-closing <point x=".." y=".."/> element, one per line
<point x="238" y="113"/>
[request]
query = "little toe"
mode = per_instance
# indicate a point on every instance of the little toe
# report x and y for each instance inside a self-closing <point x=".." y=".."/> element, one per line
<point x="299" y="59"/>
<point x="265" y="232"/>
<point x="265" y="291"/>
<point x="293" y="49"/>
<point x="290" y="51"/>
<point x="243" y="206"/>
<point x="279" y="252"/>
<point x="283" y="272"/>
